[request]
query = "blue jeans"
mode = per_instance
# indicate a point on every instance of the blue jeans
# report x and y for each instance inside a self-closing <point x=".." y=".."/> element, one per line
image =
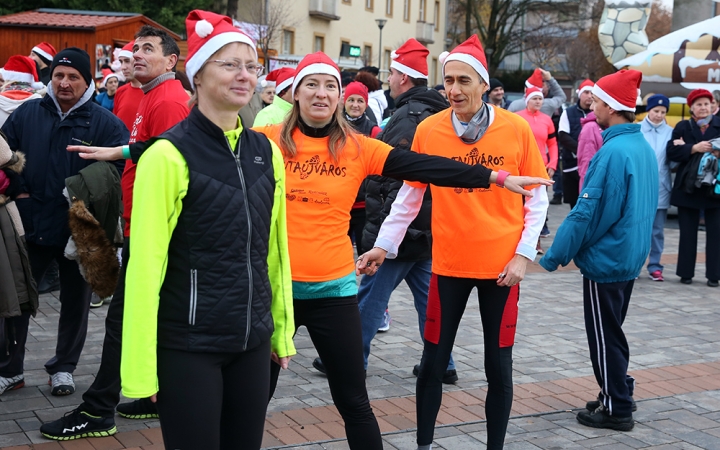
<point x="657" y="243"/>
<point x="374" y="294"/>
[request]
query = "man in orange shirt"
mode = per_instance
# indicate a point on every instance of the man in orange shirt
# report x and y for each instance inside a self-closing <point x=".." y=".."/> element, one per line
<point x="482" y="238"/>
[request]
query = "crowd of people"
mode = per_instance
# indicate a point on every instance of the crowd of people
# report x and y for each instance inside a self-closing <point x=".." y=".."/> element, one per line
<point x="255" y="202"/>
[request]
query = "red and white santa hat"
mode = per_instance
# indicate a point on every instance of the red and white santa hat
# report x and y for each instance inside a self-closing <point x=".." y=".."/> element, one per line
<point x="207" y="33"/>
<point x="533" y="92"/>
<point x="127" y="50"/>
<point x="284" y="79"/>
<point x="46" y="50"/>
<point x="22" y="68"/>
<point x="536" y="79"/>
<point x="586" y="85"/>
<point x="117" y="75"/>
<point x="411" y="59"/>
<point x="619" y="90"/>
<point x="470" y="52"/>
<point x="316" y="63"/>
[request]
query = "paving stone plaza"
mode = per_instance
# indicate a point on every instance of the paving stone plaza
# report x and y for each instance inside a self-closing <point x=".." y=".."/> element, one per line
<point x="675" y="356"/>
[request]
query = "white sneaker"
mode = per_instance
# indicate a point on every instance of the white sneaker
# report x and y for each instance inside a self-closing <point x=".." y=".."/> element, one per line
<point x="12" y="383"/>
<point x="62" y="383"/>
<point x="385" y="325"/>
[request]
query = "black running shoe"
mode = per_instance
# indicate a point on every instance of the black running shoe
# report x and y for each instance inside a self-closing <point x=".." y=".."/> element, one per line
<point x="601" y="419"/>
<point x="78" y="424"/>
<point x="450" y="376"/>
<point x="594" y="404"/>
<point x="318" y="365"/>
<point x="143" y="408"/>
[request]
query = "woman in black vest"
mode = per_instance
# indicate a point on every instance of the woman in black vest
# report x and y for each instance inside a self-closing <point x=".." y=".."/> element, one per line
<point x="210" y="258"/>
<point x="690" y="141"/>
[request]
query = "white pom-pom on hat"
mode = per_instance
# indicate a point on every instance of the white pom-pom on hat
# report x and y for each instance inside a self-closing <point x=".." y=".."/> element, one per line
<point x="203" y="28"/>
<point x="394" y="54"/>
<point x="443" y="56"/>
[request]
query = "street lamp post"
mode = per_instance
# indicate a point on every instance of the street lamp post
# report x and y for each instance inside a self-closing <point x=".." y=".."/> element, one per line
<point x="381" y="23"/>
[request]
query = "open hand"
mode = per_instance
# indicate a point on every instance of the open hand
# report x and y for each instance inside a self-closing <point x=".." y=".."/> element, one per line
<point x="515" y="183"/>
<point x="97" y="153"/>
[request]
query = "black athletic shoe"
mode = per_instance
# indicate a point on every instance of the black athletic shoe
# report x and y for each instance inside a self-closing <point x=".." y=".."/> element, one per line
<point x="601" y="419"/>
<point x="556" y="200"/>
<point x="319" y="366"/>
<point x="143" y="408"/>
<point x="712" y="283"/>
<point x="78" y="424"/>
<point x="594" y="404"/>
<point x="450" y="376"/>
<point x="686" y="280"/>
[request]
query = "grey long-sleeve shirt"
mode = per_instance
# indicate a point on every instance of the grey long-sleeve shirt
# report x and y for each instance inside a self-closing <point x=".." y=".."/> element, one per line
<point x="556" y="97"/>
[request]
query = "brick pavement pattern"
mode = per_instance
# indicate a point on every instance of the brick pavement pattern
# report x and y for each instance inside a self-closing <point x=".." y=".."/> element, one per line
<point x="675" y="356"/>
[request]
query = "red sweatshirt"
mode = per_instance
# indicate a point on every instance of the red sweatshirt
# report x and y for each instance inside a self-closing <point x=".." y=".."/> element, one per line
<point x="160" y="109"/>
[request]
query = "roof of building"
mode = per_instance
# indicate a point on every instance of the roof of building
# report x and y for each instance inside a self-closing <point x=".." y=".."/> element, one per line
<point x="65" y="18"/>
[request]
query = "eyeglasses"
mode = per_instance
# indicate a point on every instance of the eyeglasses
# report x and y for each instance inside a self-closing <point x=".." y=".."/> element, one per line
<point x="233" y="65"/>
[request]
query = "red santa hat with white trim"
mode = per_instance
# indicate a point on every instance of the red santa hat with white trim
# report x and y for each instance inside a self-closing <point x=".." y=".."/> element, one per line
<point x="536" y="79"/>
<point x="283" y="79"/>
<point x="533" y="92"/>
<point x="22" y="68"/>
<point x="316" y="63"/>
<point x="619" y="90"/>
<point x="207" y="33"/>
<point x="127" y="50"/>
<point x="470" y="52"/>
<point x="411" y="59"/>
<point x="586" y="85"/>
<point x="46" y="50"/>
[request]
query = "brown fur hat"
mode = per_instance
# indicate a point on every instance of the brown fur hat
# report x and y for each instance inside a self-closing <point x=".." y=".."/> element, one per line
<point x="97" y="255"/>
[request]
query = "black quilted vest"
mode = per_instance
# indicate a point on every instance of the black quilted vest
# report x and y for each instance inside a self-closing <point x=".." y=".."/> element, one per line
<point x="216" y="294"/>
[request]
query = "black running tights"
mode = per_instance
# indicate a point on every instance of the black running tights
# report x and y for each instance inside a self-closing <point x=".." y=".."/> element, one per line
<point x="213" y="401"/>
<point x="447" y="299"/>
<point x="334" y="327"/>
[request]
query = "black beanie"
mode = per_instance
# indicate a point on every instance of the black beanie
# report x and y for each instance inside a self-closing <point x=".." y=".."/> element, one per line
<point x="76" y="58"/>
<point x="495" y="83"/>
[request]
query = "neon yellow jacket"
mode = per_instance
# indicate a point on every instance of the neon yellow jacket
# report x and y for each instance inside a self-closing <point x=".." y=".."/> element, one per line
<point x="161" y="184"/>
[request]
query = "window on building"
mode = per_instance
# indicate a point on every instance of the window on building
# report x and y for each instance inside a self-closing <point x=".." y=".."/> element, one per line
<point x="406" y="10"/>
<point x="389" y="8"/>
<point x="387" y="60"/>
<point x="423" y="7"/>
<point x="367" y="55"/>
<point x="433" y="74"/>
<point x="369" y="5"/>
<point x="436" y="16"/>
<point x="347" y="1"/>
<point x="288" y="43"/>
<point x="319" y="44"/>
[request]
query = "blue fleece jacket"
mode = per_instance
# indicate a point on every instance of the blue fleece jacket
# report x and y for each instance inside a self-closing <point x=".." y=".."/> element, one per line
<point x="608" y="232"/>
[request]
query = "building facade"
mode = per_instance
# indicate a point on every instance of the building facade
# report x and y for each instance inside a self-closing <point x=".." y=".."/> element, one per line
<point x="307" y="26"/>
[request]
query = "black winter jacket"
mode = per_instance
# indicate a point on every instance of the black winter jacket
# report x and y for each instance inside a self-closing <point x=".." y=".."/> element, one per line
<point x="688" y="131"/>
<point x="412" y="108"/>
<point x="37" y="129"/>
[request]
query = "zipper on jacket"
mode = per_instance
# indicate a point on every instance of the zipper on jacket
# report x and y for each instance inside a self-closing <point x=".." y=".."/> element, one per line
<point x="193" y="296"/>
<point x="249" y="239"/>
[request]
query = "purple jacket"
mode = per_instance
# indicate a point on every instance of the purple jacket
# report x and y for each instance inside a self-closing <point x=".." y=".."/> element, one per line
<point x="589" y="143"/>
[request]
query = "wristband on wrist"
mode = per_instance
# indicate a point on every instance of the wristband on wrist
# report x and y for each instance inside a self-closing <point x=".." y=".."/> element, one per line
<point x="126" y="151"/>
<point x="501" y="176"/>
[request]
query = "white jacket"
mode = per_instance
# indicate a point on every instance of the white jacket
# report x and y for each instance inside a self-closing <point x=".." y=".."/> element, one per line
<point x="378" y="103"/>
